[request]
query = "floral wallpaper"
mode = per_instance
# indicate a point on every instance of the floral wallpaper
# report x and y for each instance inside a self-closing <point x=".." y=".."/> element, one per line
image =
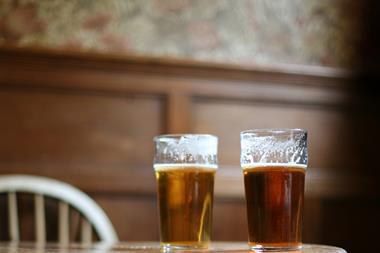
<point x="313" y="32"/>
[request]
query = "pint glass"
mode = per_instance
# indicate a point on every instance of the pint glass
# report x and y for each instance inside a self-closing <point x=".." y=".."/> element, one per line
<point x="274" y="163"/>
<point x="185" y="166"/>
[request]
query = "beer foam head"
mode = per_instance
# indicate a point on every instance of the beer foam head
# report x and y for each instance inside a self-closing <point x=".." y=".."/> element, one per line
<point x="271" y="165"/>
<point x="176" y="166"/>
<point x="186" y="149"/>
<point x="274" y="146"/>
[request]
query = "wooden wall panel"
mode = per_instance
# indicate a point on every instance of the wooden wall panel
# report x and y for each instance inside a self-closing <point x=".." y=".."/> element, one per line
<point x="134" y="217"/>
<point x="66" y="134"/>
<point x="328" y="135"/>
<point x="85" y="131"/>
<point x="229" y="220"/>
<point x="326" y="127"/>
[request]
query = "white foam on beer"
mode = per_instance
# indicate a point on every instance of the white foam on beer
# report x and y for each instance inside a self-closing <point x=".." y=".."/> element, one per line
<point x="192" y="144"/>
<point x="177" y="166"/>
<point x="273" y="149"/>
<point x="263" y="165"/>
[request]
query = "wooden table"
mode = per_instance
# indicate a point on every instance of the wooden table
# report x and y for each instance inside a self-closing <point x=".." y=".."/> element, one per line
<point x="150" y="247"/>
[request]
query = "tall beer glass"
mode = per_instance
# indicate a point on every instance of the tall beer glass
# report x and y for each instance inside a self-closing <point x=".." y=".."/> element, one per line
<point x="185" y="166"/>
<point x="274" y="163"/>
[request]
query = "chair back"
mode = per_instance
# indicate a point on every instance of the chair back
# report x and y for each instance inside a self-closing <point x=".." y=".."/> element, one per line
<point x="68" y="196"/>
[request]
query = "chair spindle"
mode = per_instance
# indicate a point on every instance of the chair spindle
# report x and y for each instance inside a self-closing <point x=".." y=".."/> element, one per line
<point x="13" y="217"/>
<point x="63" y="223"/>
<point x="39" y="205"/>
<point x="86" y="232"/>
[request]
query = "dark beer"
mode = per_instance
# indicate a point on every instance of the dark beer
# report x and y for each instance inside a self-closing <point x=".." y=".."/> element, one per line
<point x="185" y="196"/>
<point x="274" y="195"/>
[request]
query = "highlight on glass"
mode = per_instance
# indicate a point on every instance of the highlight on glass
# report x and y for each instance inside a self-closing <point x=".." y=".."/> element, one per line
<point x="185" y="166"/>
<point x="274" y="163"/>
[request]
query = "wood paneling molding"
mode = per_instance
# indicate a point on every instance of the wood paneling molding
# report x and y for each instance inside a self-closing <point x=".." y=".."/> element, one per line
<point x="98" y="73"/>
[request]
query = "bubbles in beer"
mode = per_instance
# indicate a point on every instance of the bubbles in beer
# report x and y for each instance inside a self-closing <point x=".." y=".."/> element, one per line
<point x="274" y="196"/>
<point x="185" y="194"/>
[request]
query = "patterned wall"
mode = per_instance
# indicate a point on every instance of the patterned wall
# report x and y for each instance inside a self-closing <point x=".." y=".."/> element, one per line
<point x="315" y="32"/>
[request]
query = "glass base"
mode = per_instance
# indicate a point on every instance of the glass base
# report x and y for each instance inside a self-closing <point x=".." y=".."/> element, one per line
<point x="285" y="248"/>
<point x="183" y="246"/>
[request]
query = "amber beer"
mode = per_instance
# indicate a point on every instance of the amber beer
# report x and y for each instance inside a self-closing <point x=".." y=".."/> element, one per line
<point x="185" y="165"/>
<point x="185" y="197"/>
<point x="274" y="195"/>
<point x="274" y="162"/>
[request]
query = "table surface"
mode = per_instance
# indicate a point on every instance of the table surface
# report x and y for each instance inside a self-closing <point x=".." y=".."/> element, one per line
<point x="150" y="247"/>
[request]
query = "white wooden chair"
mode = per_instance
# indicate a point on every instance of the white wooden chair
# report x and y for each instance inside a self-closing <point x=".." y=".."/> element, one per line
<point x="68" y="196"/>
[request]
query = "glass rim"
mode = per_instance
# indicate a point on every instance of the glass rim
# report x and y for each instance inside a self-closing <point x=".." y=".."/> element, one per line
<point x="177" y="136"/>
<point x="274" y="131"/>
